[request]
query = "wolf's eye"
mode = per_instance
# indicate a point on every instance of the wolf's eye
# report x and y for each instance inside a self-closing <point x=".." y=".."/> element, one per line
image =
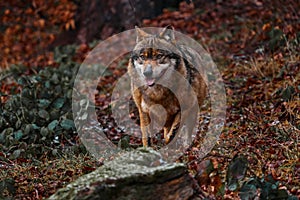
<point x="142" y="57"/>
<point x="159" y="56"/>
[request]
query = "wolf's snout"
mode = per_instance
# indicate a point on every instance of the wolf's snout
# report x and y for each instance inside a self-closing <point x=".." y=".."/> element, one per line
<point x="148" y="71"/>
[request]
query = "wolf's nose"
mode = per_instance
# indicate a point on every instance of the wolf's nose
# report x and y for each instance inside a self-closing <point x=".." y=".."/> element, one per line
<point x="148" y="72"/>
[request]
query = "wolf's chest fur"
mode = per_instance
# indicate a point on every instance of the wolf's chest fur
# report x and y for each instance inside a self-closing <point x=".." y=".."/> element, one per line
<point x="159" y="95"/>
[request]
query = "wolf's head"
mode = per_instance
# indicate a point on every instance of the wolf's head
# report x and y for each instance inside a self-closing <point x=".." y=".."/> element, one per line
<point x="155" y="56"/>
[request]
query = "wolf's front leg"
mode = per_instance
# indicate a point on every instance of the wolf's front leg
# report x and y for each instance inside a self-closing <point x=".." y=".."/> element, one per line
<point x="145" y="127"/>
<point x="169" y="132"/>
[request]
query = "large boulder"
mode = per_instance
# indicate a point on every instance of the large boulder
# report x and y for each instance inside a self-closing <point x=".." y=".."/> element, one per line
<point x="139" y="174"/>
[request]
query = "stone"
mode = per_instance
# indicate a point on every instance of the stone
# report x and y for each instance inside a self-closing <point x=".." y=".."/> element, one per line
<point x="138" y="174"/>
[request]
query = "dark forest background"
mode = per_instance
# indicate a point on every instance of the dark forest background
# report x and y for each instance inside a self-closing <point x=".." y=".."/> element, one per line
<point x="255" y="44"/>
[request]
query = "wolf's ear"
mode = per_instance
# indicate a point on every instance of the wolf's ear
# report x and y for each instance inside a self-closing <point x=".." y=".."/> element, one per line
<point x="140" y="34"/>
<point x="168" y="33"/>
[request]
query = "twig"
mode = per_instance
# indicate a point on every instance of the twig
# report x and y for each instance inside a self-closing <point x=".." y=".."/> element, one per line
<point x="5" y="76"/>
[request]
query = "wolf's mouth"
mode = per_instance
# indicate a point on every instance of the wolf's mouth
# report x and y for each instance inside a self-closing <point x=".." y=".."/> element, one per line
<point x="151" y="81"/>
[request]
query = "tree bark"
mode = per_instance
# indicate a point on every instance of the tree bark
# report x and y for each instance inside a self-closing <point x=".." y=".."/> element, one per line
<point x="98" y="19"/>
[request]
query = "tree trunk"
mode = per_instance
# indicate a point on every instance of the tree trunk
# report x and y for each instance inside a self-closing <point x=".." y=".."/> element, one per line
<point x="98" y="19"/>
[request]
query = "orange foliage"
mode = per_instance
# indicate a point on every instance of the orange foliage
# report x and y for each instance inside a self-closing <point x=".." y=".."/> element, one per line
<point x="28" y="27"/>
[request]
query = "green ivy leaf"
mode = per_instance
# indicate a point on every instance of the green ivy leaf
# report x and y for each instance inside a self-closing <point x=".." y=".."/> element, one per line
<point x="23" y="81"/>
<point x="8" y="131"/>
<point x="52" y="125"/>
<point x="248" y="191"/>
<point x="58" y="103"/>
<point x="18" y="135"/>
<point x="288" y="92"/>
<point x="27" y="129"/>
<point x="45" y="73"/>
<point x="58" y="90"/>
<point x="44" y="114"/>
<point x="26" y="93"/>
<point x="16" y="154"/>
<point x="47" y="84"/>
<point x="18" y="124"/>
<point x="43" y="103"/>
<point x="8" y="184"/>
<point x="44" y="131"/>
<point x="54" y="79"/>
<point x="236" y="171"/>
<point x="34" y="126"/>
<point x="67" y="124"/>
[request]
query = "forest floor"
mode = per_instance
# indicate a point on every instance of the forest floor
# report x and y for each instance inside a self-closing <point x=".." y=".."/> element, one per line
<point x="256" y="48"/>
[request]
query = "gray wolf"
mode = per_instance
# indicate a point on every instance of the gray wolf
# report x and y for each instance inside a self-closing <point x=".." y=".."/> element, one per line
<point x="157" y="68"/>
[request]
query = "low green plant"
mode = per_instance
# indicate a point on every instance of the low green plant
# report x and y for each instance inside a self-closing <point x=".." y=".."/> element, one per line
<point x="254" y="187"/>
<point x="38" y="120"/>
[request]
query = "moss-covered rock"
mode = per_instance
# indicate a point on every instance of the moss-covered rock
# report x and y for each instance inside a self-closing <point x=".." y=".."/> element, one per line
<point x="140" y="174"/>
